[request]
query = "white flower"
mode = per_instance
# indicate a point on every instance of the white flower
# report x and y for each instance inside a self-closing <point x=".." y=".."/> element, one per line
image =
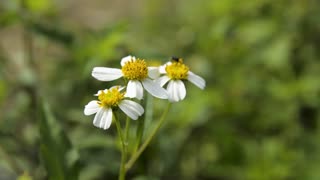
<point x="138" y="74"/>
<point x="175" y="72"/>
<point x="110" y="99"/>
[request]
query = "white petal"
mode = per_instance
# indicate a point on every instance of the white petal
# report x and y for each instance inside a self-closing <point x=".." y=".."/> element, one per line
<point x="99" y="92"/>
<point x="153" y="72"/>
<point x="106" y="74"/>
<point x="120" y="88"/>
<point x="196" y="80"/>
<point x="91" y="108"/>
<point x="162" y="69"/>
<point x="103" y="118"/>
<point x="154" y="89"/>
<point x="134" y="89"/>
<point x="126" y="59"/>
<point x="131" y="108"/>
<point x="135" y="106"/>
<point x="162" y="80"/>
<point x="106" y="90"/>
<point x="98" y="117"/>
<point x="107" y="118"/>
<point x="176" y="90"/>
<point x="181" y="90"/>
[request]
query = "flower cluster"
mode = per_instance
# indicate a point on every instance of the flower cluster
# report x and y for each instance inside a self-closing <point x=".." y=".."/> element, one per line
<point x="139" y="77"/>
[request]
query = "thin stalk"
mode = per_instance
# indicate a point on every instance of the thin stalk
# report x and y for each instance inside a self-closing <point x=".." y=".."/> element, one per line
<point x="126" y="138"/>
<point x="122" y="171"/>
<point x="149" y="112"/>
<point x="140" y="130"/>
<point x="127" y="128"/>
<point x="136" y="155"/>
<point x="143" y="123"/>
<point x="27" y="34"/>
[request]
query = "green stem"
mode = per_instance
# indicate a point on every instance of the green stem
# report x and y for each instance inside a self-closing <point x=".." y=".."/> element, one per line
<point x="27" y="34"/>
<point x="149" y="112"/>
<point x="140" y="129"/>
<point x="144" y="122"/>
<point x="127" y="129"/>
<point x="122" y="171"/>
<point x="136" y="155"/>
<point x="126" y="138"/>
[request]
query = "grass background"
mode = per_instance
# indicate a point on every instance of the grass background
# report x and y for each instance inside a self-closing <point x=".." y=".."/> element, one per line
<point x="257" y="119"/>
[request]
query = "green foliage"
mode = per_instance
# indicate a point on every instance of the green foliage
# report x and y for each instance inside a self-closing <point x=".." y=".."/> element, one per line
<point x="257" y="119"/>
<point x="59" y="158"/>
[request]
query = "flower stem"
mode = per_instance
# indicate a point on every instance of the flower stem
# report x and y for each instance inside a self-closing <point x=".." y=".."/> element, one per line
<point x="126" y="138"/>
<point x="137" y="154"/>
<point x="122" y="171"/>
<point x="127" y="130"/>
<point x="144" y="123"/>
<point x="140" y="130"/>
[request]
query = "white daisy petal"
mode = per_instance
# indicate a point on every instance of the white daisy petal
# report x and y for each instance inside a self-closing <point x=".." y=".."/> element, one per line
<point x="176" y="90"/>
<point x="99" y="92"/>
<point x="91" y="108"/>
<point x="162" y="69"/>
<point x="162" y="80"/>
<point x="196" y="80"/>
<point x="128" y="112"/>
<point x="126" y="59"/>
<point x="120" y="88"/>
<point x="131" y="108"/>
<point x="175" y="95"/>
<point x="181" y="90"/>
<point x="106" y="74"/>
<point x="154" y="89"/>
<point x="107" y="116"/>
<point x="134" y="89"/>
<point x="104" y="119"/>
<point x="153" y="72"/>
<point x="170" y="90"/>
<point x="135" y="106"/>
<point x="98" y="117"/>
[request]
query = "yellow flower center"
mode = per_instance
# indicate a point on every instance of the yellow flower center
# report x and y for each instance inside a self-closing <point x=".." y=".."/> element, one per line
<point x="111" y="98"/>
<point x="177" y="70"/>
<point x="135" y="70"/>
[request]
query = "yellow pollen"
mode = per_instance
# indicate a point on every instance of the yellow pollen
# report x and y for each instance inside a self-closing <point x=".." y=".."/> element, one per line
<point x="111" y="98"/>
<point x="135" y="70"/>
<point x="177" y="70"/>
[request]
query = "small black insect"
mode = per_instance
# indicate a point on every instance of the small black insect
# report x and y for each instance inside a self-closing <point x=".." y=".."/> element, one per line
<point x="176" y="59"/>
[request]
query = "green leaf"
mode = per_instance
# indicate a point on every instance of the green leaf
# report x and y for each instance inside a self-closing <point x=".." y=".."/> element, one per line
<point x="52" y="163"/>
<point x="56" y="150"/>
<point x="53" y="32"/>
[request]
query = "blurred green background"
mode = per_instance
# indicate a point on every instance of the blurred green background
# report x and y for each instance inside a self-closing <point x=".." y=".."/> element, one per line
<point x="257" y="119"/>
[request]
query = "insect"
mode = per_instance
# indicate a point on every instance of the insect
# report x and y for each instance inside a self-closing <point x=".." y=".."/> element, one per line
<point x="176" y="59"/>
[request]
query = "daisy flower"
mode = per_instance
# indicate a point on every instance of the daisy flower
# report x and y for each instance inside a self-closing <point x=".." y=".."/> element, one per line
<point x="108" y="100"/>
<point x="176" y="72"/>
<point x="138" y="74"/>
